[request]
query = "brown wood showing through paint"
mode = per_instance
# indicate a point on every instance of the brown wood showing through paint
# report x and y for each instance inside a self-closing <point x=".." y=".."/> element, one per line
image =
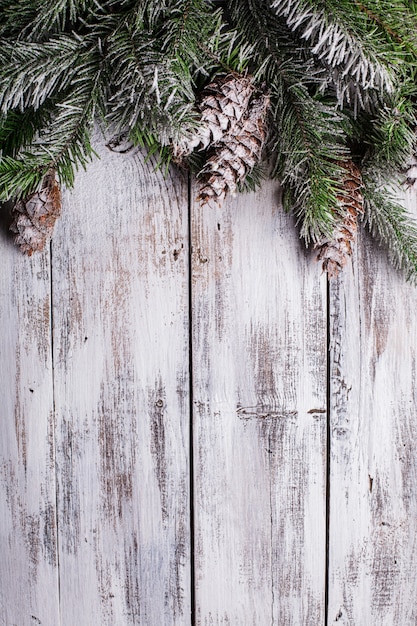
<point x="259" y="368"/>
<point x="373" y="443"/>
<point x="178" y="447"/>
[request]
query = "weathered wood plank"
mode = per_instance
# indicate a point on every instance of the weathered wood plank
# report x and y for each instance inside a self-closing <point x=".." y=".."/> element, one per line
<point x="259" y="397"/>
<point x="120" y="318"/>
<point x="373" y="500"/>
<point x="28" y="561"/>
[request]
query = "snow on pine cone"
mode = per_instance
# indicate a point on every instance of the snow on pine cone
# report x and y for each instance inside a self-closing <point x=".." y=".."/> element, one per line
<point x="223" y="103"/>
<point x="234" y="156"/>
<point x="335" y="252"/>
<point x="35" y="216"/>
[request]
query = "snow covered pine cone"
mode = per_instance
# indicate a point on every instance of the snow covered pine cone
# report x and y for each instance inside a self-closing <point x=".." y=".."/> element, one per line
<point x="335" y="252"/>
<point x="234" y="156"/>
<point x="223" y="103"/>
<point x="35" y="216"/>
<point x="233" y="129"/>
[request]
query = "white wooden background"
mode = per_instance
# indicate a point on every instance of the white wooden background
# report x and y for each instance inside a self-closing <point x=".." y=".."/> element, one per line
<point x="195" y="429"/>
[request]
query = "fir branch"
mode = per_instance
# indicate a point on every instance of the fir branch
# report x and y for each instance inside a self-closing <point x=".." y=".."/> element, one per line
<point x="157" y="74"/>
<point x="397" y="20"/>
<point x="67" y="139"/>
<point x="254" y="178"/>
<point x="307" y="139"/>
<point x="186" y="23"/>
<point x="197" y="35"/>
<point x="385" y="142"/>
<point x="338" y="73"/>
<point x="391" y="224"/>
<point x="18" y="129"/>
<point x="32" y="72"/>
<point x="57" y="16"/>
<point x="149" y="141"/>
<point x="64" y="144"/>
<point x="18" y="176"/>
<point x="340" y="38"/>
<point x="391" y="139"/>
<point x="146" y="89"/>
<point x="15" y="16"/>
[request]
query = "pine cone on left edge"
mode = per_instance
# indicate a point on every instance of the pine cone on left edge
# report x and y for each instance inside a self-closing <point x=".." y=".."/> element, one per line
<point x="335" y="252"/>
<point x="35" y="216"/>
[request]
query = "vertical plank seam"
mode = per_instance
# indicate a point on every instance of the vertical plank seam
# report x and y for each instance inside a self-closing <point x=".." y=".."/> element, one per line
<point x="271" y="535"/>
<point x="328" y="459"/>
<point x="191" y="405"/>
<point x="51" y="330"/>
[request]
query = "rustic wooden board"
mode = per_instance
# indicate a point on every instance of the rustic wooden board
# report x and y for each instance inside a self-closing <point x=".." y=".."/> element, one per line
<point x="121" y="333"/>
<point x="259" y="428"/>
<point x="373" y="463"/>
<point x="28" y="560"/>
<point x="109" y="543"/>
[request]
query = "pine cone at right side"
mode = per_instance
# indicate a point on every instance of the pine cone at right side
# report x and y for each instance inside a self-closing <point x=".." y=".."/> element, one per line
<point x="336" y="251"/>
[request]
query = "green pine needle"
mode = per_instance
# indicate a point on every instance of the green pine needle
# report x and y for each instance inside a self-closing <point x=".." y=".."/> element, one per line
<point x="341" y="78"/>
<point x="390" y="223"/>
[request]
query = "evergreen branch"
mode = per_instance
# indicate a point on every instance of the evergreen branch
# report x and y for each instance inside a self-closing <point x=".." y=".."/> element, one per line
<point x="378" y="20"/>
<point x="398" y="20"/>
<point x="254" y="179"/>
<point x="338" y="73"/>
<point x="19" y="177"/>
<point x="390" y="223"/>
<point x="146" y="87"/>
<point x="157" y="74"/>
<point x="231" y="55"/>
<point x="32" y="72"/>
<point x="57" y="16"/>
<point x="196" y="34"/>
<point x="340" y="38"/>
<point x="67" y="140"/>
<point x="391" y="139"/>
<point x="151" y="143"/>
<point x="274" y="47"/>
<point x="186" y="24"/>
<point x="18" y="129"/>
<point x="307" y="139"/>
<point x="14" y="17"/>
<point x="385" y="142"/>
<point x="36" y="20"/>
<point x="64" y="144"/>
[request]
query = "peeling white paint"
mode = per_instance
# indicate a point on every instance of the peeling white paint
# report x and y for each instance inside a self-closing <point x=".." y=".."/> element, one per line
<point x="95" y="466"/>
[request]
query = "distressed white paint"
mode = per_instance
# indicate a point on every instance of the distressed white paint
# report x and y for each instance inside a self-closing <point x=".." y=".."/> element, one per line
<point x="120" y="320"/>
<point x="104" y="485"/>
<point x="373" y="467"/>
<point x="259" y="360"/>
<point x="28" y="558"/>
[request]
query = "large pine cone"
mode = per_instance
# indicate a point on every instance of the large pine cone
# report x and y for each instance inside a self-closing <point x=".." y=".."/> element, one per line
<point x="335" y="252"/>
<point x="35" y="216"/>
<point x="223" y="103"/>
<point x="235" y="155"/>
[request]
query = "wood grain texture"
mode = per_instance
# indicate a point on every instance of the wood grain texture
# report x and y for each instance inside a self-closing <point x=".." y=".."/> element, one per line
<point x="95" y="418"/>
<point x="259" y="397"/>
<point x="120" y="324"/>
<point x="373" y="465"/>
<point x="28" y="559"/>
